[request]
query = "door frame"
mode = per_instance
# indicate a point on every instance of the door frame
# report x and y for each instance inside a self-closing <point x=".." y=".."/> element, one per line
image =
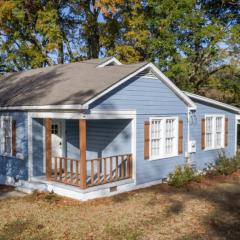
<point x="236" y="132"/>
<point x="63" y="142"/>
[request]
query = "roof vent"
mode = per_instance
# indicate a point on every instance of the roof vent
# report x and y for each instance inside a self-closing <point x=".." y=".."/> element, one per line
<point x="110" y="62"/>
<point x="147" y="74"/>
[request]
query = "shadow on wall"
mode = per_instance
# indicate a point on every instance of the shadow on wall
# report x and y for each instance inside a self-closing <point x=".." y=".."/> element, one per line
<point x="13" y="168"/>
<point x="104" y="137"/>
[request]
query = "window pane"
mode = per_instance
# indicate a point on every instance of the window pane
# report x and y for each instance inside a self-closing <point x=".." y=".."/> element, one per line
<point x="155" y="138"/>
<point x="209" y="132"/>
<point x="169" y="141"/>
<point x="219" y="132"/>
<point x="7" y="135"/>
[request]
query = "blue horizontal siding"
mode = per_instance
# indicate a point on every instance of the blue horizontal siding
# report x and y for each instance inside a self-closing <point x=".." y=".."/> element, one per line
<point x="104" y="138"/>
<point x="12" y="166"/>
<point x="38" y="147"/>
<point x="202" y="158"/>
<point x="149" y="97"/>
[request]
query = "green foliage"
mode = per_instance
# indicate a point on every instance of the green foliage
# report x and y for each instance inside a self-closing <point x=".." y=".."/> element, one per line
<point x="225" y="165"/>
<point x="181" y="176"/>
<point x="195" y="43"/>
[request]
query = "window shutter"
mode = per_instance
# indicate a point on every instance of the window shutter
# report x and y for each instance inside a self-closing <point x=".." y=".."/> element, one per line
<point x="203" y="133"/>
<point x="14" y="138"/>
<point x="226" y="132"/>
<point x="146" y="139"/>
<point x="180" y="136"/>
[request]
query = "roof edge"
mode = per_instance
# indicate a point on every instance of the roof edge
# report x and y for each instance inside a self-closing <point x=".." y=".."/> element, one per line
<point x="212" y="101"/>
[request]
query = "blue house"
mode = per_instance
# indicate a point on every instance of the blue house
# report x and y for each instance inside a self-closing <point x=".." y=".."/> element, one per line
<point x="99" y="127"/>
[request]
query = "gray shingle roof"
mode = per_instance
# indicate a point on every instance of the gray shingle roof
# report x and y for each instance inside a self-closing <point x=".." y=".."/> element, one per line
<point x="73" y="83"/>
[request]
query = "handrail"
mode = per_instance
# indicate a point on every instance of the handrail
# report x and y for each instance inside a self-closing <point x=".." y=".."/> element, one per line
<point x="99" y="171"/>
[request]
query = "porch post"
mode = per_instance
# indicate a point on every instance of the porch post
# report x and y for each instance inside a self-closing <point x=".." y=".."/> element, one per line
<point x="83" y="145"/>
<point x="48" y="146"/>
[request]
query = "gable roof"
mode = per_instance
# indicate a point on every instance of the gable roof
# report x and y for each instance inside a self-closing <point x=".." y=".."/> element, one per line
<point x="67" y="84"/>
<point x="72" y="86"/>
<point x="213" y="102"/>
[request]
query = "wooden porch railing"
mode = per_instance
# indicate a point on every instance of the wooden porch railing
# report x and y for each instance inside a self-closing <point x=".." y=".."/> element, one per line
<point x="99" y="171"/>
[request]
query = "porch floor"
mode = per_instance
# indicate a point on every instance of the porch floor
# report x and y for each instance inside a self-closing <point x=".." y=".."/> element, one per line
<point x="44" y="180"/>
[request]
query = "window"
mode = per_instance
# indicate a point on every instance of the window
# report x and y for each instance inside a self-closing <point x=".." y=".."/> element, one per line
<point x="54" y="129"/>
<point x="163" y="137"/>
<point x="6" y="135"/>
<point x="214" y="132"/>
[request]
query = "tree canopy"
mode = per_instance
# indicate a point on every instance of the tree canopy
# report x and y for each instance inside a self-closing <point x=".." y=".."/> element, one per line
<point x="194" y="42"/>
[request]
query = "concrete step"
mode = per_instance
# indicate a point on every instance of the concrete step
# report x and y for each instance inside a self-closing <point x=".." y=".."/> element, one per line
<point x="30" y="187"/>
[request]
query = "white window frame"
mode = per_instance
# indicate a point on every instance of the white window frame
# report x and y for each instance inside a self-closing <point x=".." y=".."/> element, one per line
<point x="163" y="137"/>
<point x="2" y="136"/>
<point x="214" y="133"/>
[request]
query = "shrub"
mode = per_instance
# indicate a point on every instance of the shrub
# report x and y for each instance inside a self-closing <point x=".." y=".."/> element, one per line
<point x="225" y="165"/>
<point x="181" y="176"/>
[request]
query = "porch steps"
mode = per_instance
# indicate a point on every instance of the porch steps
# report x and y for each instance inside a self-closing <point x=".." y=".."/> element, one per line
<point x="30" y="187"/>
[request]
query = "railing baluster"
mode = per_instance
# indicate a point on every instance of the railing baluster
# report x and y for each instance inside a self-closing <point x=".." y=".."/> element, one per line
<point x="105" y="169"/>
<point x="60" y="169"/>
<point x="99" y="170"/>
<point x="65" y="170"/>
<point x="71" y="171"/>
<point x="92" y="172"/>
<point x="122" y="167"/>
<point x="116" y="176"/>
<point x="76" y="172"/>
<point x="130" y="166"/>
<point x="110" y="169"/>
<point x="55" y="167"/>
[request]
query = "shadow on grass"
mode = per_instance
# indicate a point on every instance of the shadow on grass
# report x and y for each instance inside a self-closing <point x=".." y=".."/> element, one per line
<point x="5" y="189"/>
<point x="122" y="232"/>
<point x="20" y="229"/>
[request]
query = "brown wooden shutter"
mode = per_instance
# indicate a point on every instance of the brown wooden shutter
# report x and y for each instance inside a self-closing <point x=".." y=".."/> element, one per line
<point x="180" y="136"/>
<point x="226" y="132"/>
<point x="14" y="138"/>
<point x="203" y="133"/>
<point x="146" y="139"/>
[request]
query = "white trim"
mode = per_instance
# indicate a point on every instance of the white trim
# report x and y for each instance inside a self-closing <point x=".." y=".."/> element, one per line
<point x="104" y="114"/>
<point x="111" y="60"/>
<point x="188" y="135"/>
<point x="98" y="114"/>
<point x="163" y="155"/>
<point x="44" y="107"/>
<point x="134" y="149"/>
<point x="236" y="133"/>
<point x="214" y="116"/>
<point x="214" y="102"/>
<point x="165" y="80"/>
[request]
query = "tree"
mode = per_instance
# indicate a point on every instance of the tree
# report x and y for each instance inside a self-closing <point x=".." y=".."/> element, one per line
<point x="32" y="32"/>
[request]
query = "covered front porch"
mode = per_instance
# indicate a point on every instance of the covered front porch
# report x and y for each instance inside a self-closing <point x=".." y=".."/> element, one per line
<point x="82" y="152"/>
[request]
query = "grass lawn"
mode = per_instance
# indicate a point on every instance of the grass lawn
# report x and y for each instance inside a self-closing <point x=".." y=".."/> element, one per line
<point x="210" y="210"/>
